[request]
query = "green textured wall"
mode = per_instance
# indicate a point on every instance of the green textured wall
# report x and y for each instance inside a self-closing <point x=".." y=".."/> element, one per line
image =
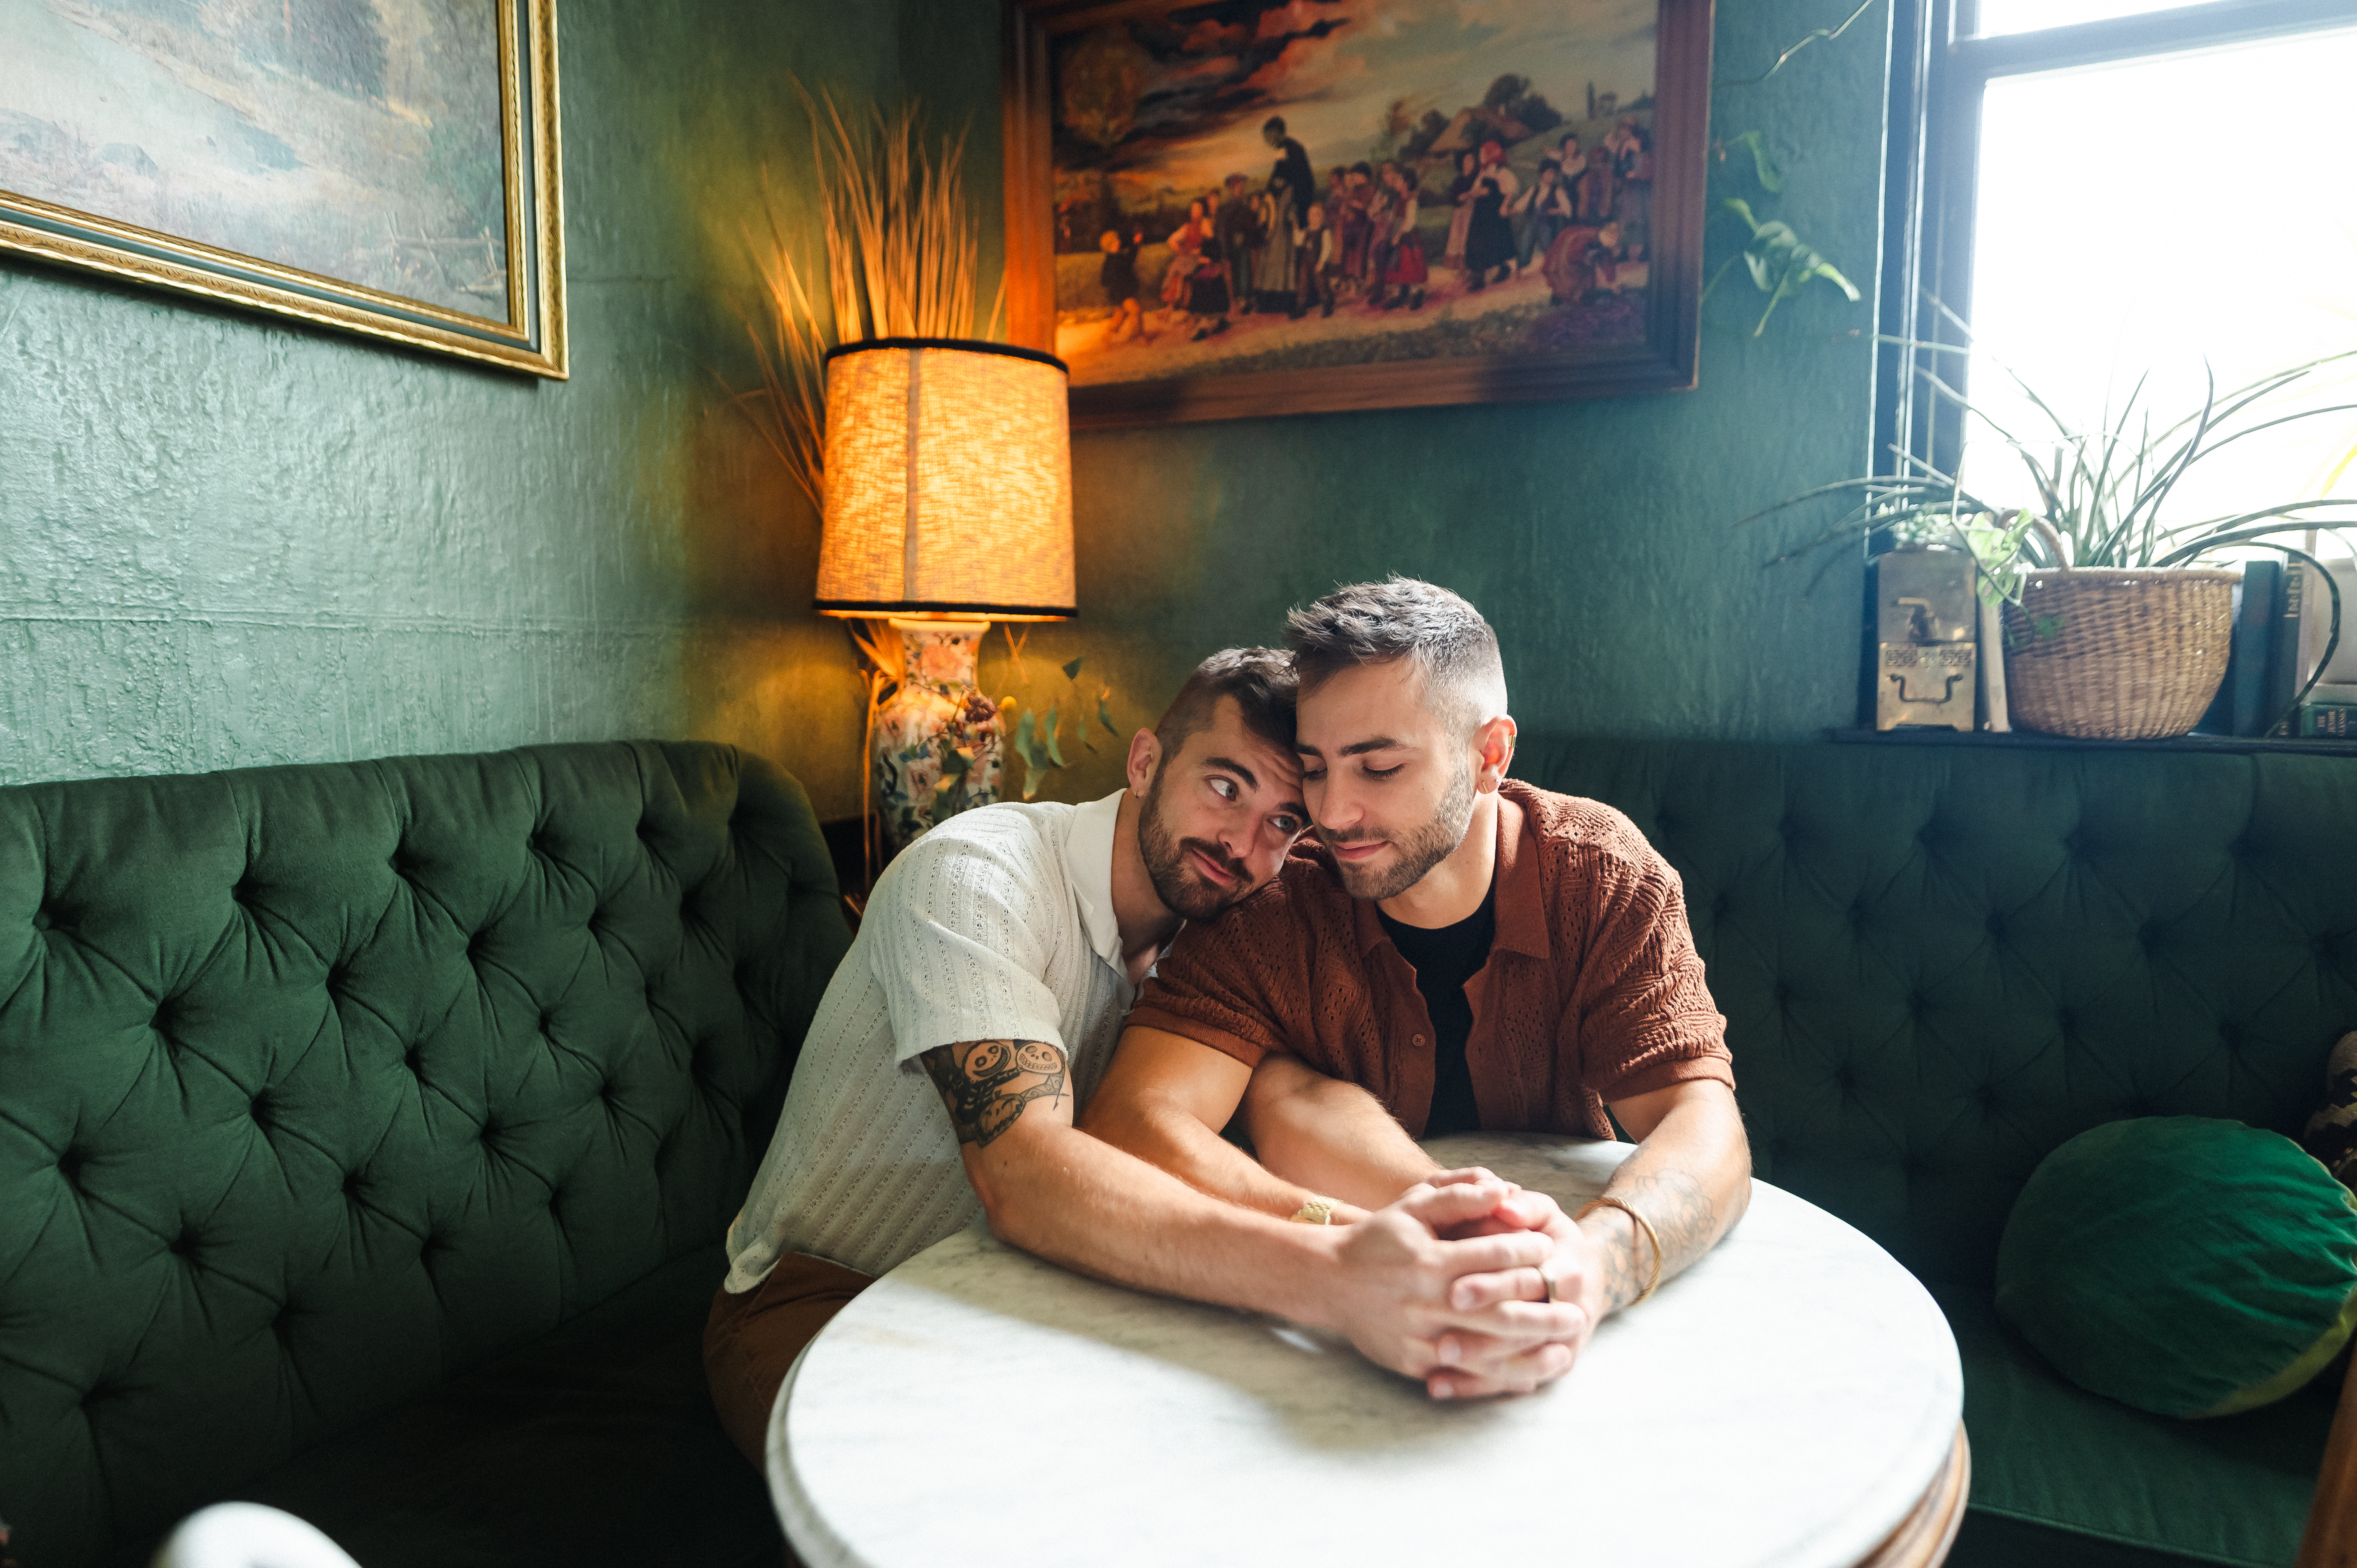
<point x="226" y="542"/>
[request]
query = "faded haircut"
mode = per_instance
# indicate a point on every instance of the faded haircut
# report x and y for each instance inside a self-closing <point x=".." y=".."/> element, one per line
<point x="1262" y="681"/>
<point x="1454" y="649"/>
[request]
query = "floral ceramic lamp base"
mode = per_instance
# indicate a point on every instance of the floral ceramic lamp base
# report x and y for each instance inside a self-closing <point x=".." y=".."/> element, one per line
<point x="939" y="741"/>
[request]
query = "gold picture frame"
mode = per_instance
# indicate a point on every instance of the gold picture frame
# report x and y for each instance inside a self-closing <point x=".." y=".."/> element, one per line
<point x="521" y="325"/>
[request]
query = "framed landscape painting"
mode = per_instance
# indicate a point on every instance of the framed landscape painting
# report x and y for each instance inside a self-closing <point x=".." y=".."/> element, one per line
<point x="383" y="166"/>
<point x="1263" y="207"/>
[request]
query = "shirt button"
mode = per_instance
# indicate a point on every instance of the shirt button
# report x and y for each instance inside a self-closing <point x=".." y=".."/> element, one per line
<point x="1415" y="1039"/>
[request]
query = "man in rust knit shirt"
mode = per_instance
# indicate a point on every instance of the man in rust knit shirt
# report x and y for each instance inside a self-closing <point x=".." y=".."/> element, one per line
<point x="1459" y="952"/>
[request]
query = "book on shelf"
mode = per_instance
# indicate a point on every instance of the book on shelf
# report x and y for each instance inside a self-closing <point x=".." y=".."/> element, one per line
<point x="2316" y="624"/>
<point x="2246" y="668"/>
<point x="2327" y="721"/>
<point x="2283" y="671"/>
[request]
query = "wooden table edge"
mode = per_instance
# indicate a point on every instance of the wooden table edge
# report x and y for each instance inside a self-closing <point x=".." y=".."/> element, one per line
<point x="1924" y="1537"/>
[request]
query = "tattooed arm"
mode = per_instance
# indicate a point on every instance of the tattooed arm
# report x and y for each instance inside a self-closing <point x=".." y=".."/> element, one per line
<point x="986" y="1084"/>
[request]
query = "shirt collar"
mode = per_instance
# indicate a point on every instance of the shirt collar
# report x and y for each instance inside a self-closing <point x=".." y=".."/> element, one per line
<point x="1520" y="905"/>
<point x="1522" y="902"/>
<point x="1088" y="867"/>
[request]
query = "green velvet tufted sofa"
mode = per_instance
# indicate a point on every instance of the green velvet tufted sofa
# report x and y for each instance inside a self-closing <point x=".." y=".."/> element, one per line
<point x="367" y="1136"/>
<point x="367" y="1132"/>
<point x="1939" y="962"/>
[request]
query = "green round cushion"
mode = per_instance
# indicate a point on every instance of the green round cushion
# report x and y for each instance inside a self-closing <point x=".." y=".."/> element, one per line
<point x="2181" y="1264"/>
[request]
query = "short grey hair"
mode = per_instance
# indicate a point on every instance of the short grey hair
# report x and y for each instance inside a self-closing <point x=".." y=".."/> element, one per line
<point x="1455" y="649"/>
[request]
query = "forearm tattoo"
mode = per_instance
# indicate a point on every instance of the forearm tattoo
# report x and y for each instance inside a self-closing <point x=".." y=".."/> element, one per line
<point x="1679" y="1212"/>
<point x="985" y="1084"/>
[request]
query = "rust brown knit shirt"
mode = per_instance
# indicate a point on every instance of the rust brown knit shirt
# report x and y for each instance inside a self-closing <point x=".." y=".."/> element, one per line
<point x="1593" y="992"/>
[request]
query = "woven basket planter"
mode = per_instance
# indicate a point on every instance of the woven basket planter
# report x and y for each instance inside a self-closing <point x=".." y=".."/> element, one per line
<point x="2109" y="653"/>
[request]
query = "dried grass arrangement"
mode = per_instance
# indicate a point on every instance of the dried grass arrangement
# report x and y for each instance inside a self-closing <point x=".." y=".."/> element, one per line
<point x="903" y="245"/>
<point x="903" y="242"/>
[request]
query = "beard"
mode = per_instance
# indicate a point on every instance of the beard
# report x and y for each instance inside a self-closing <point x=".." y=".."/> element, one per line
<point x="1417" y="852"/>
<point x="1184" y="890"/>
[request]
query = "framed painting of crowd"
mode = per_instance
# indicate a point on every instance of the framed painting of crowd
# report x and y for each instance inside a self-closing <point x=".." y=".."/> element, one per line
<point x="1262" y="207"/>
<point x="388" y="168"/>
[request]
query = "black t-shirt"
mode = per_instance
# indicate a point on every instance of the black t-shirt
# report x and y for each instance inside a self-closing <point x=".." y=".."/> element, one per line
<point x="1443" y="959"/>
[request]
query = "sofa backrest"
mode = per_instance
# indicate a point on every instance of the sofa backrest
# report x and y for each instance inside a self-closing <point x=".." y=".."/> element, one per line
<point x="1939" y="962"/>
<point x="320" y="1083"/>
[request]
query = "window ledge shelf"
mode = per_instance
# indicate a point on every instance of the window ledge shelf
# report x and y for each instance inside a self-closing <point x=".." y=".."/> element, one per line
<point x="2031" y="740"/>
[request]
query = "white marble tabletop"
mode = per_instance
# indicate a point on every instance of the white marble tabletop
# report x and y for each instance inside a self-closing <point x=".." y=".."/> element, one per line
<point x="1781" y="1404"/>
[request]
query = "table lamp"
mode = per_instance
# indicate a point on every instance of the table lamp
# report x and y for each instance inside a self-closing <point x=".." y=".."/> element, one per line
<point x="949" y="505"/>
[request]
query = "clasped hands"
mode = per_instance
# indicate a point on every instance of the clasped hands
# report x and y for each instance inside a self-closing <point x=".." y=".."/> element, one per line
<point x="1444" y="1284"/>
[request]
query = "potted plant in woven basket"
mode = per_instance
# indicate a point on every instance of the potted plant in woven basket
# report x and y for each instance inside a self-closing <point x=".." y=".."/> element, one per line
<point x="2113" y="630"/>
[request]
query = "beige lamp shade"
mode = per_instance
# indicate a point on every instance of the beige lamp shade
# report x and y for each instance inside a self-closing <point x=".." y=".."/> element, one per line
<point x="949" y="482"/>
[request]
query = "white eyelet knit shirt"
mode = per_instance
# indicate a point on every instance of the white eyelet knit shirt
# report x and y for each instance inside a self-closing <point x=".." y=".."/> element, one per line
<point x="998" y="924"/>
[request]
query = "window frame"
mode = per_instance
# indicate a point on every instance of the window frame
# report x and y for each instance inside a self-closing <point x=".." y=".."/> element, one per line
<point x="1940" y="68"/>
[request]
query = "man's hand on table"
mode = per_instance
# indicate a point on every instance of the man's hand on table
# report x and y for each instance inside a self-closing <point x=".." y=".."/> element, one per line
<point x="1578" y="1267"/>
<point x="1444" y="1285"/>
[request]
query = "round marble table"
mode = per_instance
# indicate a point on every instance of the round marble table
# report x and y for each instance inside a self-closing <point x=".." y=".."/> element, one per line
<point x="1792" y="1401"/>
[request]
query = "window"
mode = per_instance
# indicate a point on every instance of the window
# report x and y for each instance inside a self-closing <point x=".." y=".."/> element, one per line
<point x="2110" y="191"/>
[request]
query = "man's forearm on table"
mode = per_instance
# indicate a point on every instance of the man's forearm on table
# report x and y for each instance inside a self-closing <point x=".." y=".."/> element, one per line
<point x="1690" y="1178"/>
<point x="1385" y="1283"/>
<point x="1175" y="1139"/>
<point x="1331" y="1136"/>
<point x="1078" y="1201"/>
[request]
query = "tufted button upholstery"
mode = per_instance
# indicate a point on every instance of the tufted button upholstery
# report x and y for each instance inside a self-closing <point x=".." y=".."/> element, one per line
<point x="395" y="1039"/>
<point x="1937" y="964"/>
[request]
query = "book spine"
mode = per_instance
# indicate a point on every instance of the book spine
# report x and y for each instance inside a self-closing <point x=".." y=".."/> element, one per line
<point x="2331" y="720"/>
<point x="2254" y="630"/>
<point x="2343" y="667"/>
<point x="2283" y="654"/>
<point x="2315" y="618"/>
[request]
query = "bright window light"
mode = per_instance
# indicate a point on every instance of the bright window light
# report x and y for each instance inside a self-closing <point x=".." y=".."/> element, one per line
<point x="2146" y="217"/>
<point x="2029" y="16"/>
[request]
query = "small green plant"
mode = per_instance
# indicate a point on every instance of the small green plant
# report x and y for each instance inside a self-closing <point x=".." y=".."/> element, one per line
<point x="2101" y="489"/>
<point x="1038" y="738"/>
<point x="1781" y="264"/>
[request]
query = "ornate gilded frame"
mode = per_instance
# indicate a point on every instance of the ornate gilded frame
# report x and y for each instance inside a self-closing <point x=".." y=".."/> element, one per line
<point x="532" y="337"/>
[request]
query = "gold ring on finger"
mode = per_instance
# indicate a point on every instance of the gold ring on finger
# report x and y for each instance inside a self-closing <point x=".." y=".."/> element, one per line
<point x="1546" y="1279"/>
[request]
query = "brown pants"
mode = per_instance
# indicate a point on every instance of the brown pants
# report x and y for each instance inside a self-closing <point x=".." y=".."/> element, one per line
<point x="750" y="1340"/>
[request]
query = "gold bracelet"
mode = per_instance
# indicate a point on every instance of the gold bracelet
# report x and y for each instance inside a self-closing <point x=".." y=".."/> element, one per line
<point x="1641" y="1223"/>
<point x="1317" y="1211"/>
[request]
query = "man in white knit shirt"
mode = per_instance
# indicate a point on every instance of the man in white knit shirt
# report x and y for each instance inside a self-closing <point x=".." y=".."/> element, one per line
<point x="979" y="1006"/>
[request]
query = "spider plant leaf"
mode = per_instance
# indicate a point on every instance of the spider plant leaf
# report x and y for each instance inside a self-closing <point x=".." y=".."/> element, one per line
<point x="1048" y="729"/>
<point x="1763" y="167"/>
<point x="1831" y="274"/>
<point x="1072" y="671"/>
<point x="1104" y="713"/>
<point x="2237" y="530"/>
